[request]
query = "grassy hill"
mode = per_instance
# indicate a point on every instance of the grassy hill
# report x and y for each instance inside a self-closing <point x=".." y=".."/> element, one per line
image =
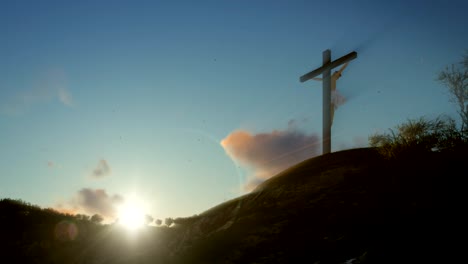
<point x="330" y="209"/>
<point x="351" y="206"/>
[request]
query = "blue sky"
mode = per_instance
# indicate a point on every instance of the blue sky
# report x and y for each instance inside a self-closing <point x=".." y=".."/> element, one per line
<point x="151" y="88"/>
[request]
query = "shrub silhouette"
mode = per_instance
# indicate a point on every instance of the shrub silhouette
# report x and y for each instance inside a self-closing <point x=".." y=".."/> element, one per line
<point x="419" y="136"/>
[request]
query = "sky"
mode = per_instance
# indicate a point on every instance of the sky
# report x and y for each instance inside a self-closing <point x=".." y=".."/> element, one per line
<point x="181" y="105"/>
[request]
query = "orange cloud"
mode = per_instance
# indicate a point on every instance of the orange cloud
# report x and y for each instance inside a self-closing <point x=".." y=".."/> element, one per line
<point x="267" y="154"/>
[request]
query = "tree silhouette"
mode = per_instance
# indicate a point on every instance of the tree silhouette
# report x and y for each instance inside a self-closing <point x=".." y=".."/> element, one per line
<point x="96" y="218"/>
<point x="456" y="80"/>
<point x="169" y="221"/>
<point x="82" y="217"/>
<point x="158" y="222"/>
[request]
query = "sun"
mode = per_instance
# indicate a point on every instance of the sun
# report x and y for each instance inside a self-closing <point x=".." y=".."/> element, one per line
<point x="131" y="216"/>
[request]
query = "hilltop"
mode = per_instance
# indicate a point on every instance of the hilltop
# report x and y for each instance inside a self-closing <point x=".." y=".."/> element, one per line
<point x="352" y="206"/>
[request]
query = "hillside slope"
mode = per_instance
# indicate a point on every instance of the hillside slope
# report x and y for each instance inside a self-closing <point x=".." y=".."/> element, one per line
<point x="349" y="205"/>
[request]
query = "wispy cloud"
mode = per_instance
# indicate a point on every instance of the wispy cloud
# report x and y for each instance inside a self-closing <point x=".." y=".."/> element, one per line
<point x="65" y="96"/>
<point x="102" y="169"/>
<point x="52" y="85"/>
<point x="267" y="154"/>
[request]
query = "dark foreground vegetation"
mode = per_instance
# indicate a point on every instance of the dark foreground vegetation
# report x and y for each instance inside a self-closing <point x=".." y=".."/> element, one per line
<point x="400" y="201"/>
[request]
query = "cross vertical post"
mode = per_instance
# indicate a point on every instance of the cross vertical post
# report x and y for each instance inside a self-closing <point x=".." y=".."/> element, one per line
<point x="326" y="94"/>
<point x="325" y="70"/>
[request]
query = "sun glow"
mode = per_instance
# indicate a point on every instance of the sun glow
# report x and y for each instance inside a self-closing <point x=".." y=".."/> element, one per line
<point x="131" y="216"/>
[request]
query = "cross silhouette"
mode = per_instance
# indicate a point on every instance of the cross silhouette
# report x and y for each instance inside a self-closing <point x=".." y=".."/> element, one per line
<point x="327" y="82"/>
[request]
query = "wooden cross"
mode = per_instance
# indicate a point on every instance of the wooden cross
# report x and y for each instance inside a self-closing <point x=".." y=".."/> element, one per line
<point x="325" y="70"/>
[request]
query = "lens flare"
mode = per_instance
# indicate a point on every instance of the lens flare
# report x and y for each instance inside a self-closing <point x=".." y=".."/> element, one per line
<point x="66" y="231"/>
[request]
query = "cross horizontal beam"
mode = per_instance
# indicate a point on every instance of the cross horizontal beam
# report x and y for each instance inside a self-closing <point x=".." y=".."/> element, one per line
<point x="348" y="57"/>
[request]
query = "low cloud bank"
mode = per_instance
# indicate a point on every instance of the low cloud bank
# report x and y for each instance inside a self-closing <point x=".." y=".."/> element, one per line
<point x="267" y="154"/>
